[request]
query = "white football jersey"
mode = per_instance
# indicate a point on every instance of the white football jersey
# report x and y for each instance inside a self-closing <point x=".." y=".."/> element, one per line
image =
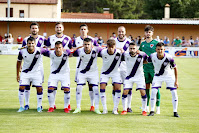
<point x="124" y="45"/>
<point x="134" y="64"/>
<point x="66" y="41"/>
<point x="164" y="66"/>
<point x="39" y="41"/>
<point x="32" y="62"/>
<point x="110" y="62"/>
<point x="59" y="64"/>
<point x="88" y="61"/>
<point x="78" y="42"/>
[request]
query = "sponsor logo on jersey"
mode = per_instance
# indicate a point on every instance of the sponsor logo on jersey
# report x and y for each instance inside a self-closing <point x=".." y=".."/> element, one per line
<point x="64" y="58"/>
<point x="139" y="59"/>
<point x="165" y="63"/>
<point x="40" y="41"/>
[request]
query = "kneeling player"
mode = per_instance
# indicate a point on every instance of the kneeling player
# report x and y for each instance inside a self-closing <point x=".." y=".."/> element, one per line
<point x="135" y="74"/>
<point x="87" y="71"/>
<point x="163" y="64"/>
<point x="59" y="72"/>
<point x="110" y="69"/>
<point x="31" y="72"/>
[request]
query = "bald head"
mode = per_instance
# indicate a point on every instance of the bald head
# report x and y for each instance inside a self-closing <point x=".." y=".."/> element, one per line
<point x="121" y="33"/>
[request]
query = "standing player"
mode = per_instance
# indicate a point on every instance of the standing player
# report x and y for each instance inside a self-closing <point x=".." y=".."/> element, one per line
<point x="87" y="71"/>
<point x="31" y="72"/>
<point x="135" y="74"/>
<point x="163" y="64"/>
<point x="39" y="40"/>
<point x="78" y="43"/>
<point x="122" y="42"/>
<point x="66" y="42"/>
<point x="110" y="69"/>
<point x="59" y="72"/>
<point x="149" y="46"/>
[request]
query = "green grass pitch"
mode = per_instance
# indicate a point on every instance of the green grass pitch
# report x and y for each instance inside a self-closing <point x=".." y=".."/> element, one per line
<point x="58" y="121"/>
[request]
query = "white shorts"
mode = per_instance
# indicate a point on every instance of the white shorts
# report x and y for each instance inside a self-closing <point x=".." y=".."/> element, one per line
<point x="91" y="77"/>
<point x="116" y="78"/>
<point x="55" y="78"/>
<point x="170" y="81"/>
<point x="123" y="75"/>
<point x="140" y="82"/>
<point x="34" y="78"/>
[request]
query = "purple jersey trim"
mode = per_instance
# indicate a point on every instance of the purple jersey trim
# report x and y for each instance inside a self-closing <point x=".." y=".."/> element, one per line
<point x="162" y="69"/>
<point x="20" y="57"/>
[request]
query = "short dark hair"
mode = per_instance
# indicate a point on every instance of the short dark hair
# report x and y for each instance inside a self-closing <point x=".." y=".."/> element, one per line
<point x="82" y="25"/>
<point x="59" y="23"/>
<point x="87" y="40"/>
<point x="31" y="39"/>
<point x="149" y="27"/>
<point x="132" y="43"/>
<point x="58" y="42"/>
<point x="160" y="44"/>
<point x="111" y="42"/>
<point x="34" y="23"/>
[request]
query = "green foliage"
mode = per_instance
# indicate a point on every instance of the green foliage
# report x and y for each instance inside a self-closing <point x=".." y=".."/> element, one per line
<point x="136" y="9"/>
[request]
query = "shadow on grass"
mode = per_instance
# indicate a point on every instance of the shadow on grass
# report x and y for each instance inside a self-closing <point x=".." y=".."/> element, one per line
<point x="60" y="112"/>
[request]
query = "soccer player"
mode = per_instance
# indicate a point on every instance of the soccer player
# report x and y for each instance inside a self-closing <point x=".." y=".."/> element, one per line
<point x="135" y="74"/>
<point x="31" y="72"/>
<point x="87" y="71"/>
<point x="66" y="42"/>
<point x="149" y="46"/>
<point x="122" y="42"/>
<point x="78" y="43"/>
<point x="59" y="72"/>
<point x="163" y="65"/>
<point x="110" y="69"/>
<point x="39" y="40"/>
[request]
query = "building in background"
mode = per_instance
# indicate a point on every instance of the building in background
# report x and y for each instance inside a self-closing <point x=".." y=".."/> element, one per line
<point x="31" y="8"/>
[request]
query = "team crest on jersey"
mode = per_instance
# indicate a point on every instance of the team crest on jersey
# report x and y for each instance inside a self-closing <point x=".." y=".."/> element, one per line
<point x="139" y="59"/>
<point x="117" y="57"/>
<point x="165" y="63"/>
<point x="25" y="56"/>
<point x="40" y="41"/>
<point x="64" y="58"/>
<point x="93" y="55"/>
<point x="151" y="45"/>
<point x="127" y="45"/>
<point x="37" y="56"/>
<point x="65" y="41"/>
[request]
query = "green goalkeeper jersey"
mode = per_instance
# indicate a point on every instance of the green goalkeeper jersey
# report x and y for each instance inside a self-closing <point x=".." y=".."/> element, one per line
<point x="148" y="48"/>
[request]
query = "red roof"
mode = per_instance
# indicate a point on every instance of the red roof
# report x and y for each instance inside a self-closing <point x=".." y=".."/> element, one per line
<point x="87" y="15"/>
<point x="31" y="1"/>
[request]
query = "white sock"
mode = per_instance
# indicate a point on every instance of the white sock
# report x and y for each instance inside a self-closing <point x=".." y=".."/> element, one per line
<point x="124" y="102"/>
<point x="103" y="99"/>
<point x="27" y="97"/>
<point x="66" y="99"/>
<point x="91" y="94"/>
<point x="79" y="95"/>
<point x="117" y="99"/>
<point x="39" y="100"/>
<point x="113" y="94"/>
<point x="129" y="98"/>
<point x="153" y="98"/>
<point x="51" y="99"/>
<point x="96" y="96"/>
<point x="54" y="92"/>
<point x="174" y="100"/>
<point x="21" y="98"/>
<point x="144" y="103"/>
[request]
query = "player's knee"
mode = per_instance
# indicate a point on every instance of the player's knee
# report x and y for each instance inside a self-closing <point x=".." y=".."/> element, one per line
<point x="90" y="87"/>
<point x="142" y="92"/>
<point x="102" y="86"/>
<point x="39" y="90"/>
<point x="21" y="88"/>
<point x="125" y="92"/>
<point x="27" y="88"/>
<point x="66" y="90"/>
<point x="117" y="87"/>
